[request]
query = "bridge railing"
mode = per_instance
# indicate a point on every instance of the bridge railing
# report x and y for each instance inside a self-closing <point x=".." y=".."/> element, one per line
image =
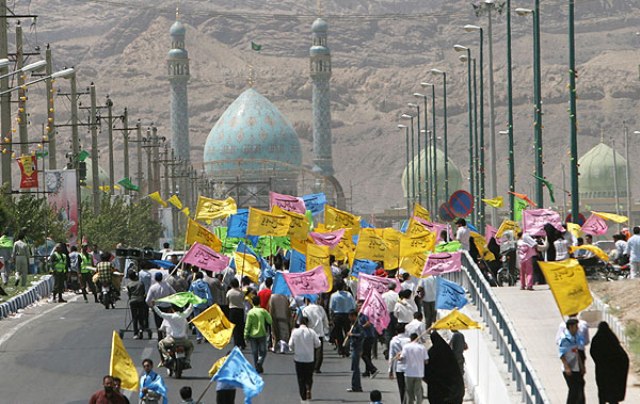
<point x="502" y="331"/>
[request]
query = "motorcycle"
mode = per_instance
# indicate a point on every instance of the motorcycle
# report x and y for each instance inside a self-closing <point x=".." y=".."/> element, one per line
<point x="507" y="274"/>
<point x="176" y="362"/>
<point x="108" y="296"/>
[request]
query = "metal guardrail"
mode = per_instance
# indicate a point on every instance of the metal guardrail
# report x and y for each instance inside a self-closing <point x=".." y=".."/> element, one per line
<point x="502" y="330"/>
<point x="614" y="323"/>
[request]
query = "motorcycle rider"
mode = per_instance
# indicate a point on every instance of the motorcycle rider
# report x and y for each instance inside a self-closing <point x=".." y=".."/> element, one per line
<point x="177" y="334"/>
<point x="105" y="271"/>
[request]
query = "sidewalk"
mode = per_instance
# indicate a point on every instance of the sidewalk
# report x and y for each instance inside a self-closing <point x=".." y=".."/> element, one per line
<point x="536" y="318"/>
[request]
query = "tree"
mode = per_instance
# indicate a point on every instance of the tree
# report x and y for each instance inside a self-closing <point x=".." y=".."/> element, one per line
<point x="120" y="222"/>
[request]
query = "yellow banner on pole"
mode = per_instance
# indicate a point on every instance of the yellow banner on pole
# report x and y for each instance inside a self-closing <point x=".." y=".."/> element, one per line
<point x="568" y="283"/>
<point x="155" y="196"/>
<point x="371" y="245"/>
<point x="412" y="245"/>
<point x="455" y="321"/>
<point x="263" y="223"/>
<point x="199" y="233"/>
<point x="611" y="216"/>
<point x="318" y="255"/>
<point x="421" y="212"/>
<point x="496" y="202"/>
<point x="247" y="264"/>
<point x="210" y="209"/>
<point x="299" y="225"/>
<point x="508" y="225"/>
<point x="175" y="201"/>
<point x="392" y="239"/>
<point x="215" y="327"/>
<point x="335" y="219"/>
<point x="414" y="264"/>
<point x="121" y="364"/>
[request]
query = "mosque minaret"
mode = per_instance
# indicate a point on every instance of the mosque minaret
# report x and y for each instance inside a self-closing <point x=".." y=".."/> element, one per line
<point x="178" y="66"/>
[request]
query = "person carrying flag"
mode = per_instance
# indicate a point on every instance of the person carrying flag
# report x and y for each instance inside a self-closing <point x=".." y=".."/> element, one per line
<point x="151" y="384"/>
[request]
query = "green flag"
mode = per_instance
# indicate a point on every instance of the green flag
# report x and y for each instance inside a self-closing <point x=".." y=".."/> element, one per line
<point x="42" y="154"/>
<point x="451" y="246"/>
<point x="127" y="184"/>
<point x="82" y="156"/>
<point x="229" y="244"/>
<point x="255" y="47"/>
<point x="182" y="299"/>
<point x="548" y="185"/>
<point x="6" y="242"/>
<point x="518" y="206"/>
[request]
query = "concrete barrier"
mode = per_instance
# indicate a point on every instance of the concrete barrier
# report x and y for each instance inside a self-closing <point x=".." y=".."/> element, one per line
<point x="40" y="290"/>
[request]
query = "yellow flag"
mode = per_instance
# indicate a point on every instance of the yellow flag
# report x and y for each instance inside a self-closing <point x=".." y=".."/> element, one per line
<point x="568" y="284"/>
<point x="211" y="209"/>
<point x="371" y="245"/>
<point x="247" y="264"/>
<point x="507" y="225"/>
<point x="415" y="228"/>
<point x="300" y="245"/>
<point x="335" y="219"/>
<point x="299" y="225"/>
<point x="496" y="202"/>
<point x="262" y="223"/>
<point x="421" y="212"/>
<point x="186" y="211"/>
<point x="175" y="201"/>
<point x="345" y="250"/>
<point x="455" y="321"/>
<point x="156" y="197"/>
<point x="481" y="245"/>
<point x="217" y="365"/>
<point x="611" y="216"/>
<point x="412" y="245"/>
<point x="199" y="233"/>
<point x="121" y="364"/>
<point x="215" y="327"/>
<point x="318" y="255"/>
<point x="392" y="239"/>
<point x="594" y="249"/>
<point x="414" y="264"/>
<point x="574" y="229"/>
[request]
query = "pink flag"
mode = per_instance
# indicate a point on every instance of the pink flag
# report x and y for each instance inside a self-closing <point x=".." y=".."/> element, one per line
<point x="432" y="227"/>
<point x="205" y="258"/>
<point x="441" y="263"/>
<point x="595" y="225"/>
<point x="310" y="282"/>
<point x="375" y="309"/>
<point x="533" y="221"/>
<point x="489" y="232"/>
<point x="380" y="284"/>
<point x="330" y="239"/>
<point x="287" y="202"/>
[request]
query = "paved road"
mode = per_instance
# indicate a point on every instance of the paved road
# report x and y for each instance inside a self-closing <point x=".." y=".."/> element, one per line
<point x="536" y="319"/>
<point x="58" y="353"/>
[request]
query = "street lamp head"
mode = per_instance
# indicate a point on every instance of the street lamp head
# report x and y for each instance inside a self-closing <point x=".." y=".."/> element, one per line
<point x="437" y="71"/>
<point x="424" y="84"/>
<point x="406" y="116"/>
<point x="418" y="95"/>
<point x="489" y="1"/>
<point x="463" y="58"/>
<point x="460" y="48"/>
<point x="34" y="66"/>
<point x="524" y="11"/>
<point x="504" y="132"/>
<point x="636" y="132"/>
<point x="401" y="126"/>
<point x="4" y="63"/>
<point x="472" y="28"/>
<point x="412" y="105"/>
<point x="63" y="73"/>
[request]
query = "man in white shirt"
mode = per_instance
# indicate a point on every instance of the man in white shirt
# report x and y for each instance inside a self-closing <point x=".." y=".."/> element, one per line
<point x="414" y="356"/>
<point x="319" y="323"/>
<point x="416" y="326"/>
<point x="304" y="341"/>
<point x="633" y="251"/>
<point x="463" y="234"/>
<point x="390" y="298"/>
<point x="176" y="322"/>
<point x="429" y="287"/>
<point x="395" y="348"/>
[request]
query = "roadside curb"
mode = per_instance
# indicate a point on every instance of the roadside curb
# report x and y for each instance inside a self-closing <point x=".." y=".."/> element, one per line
<point x="40" y="290"/>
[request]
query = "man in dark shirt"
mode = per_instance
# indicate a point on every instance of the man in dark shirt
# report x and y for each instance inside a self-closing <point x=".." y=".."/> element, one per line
<point x="108" y="395"/>
<point x="139" y="309"/>
<point x="356" y="339"/>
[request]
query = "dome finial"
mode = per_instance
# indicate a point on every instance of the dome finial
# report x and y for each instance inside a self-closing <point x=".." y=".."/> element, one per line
<point x="319" y="8"/>
<point x="251" y="79"/>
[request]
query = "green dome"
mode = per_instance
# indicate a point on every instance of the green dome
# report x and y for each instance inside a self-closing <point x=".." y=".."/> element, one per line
<point x="455" y="178"/>
<point x="596" y="169"/>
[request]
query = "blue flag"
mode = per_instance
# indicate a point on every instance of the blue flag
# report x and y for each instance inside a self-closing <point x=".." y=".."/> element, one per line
<point x="472" y="227"/>
<point x="280" y="286"/>
<point x="154" y="382"/>
<point x="405" y="226"/>
<point x="363" y="267"/>
<point x="315" y="202"/>
<point x="245" y="249"/>
<point x="450" y="295"/>
<point x="366" y="225"/>
<point x="237" y="224"/>
<point x="297" y="262"/>
<point x="237" y="371"/>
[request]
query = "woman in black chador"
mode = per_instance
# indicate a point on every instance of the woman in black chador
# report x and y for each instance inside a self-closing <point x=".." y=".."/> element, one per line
<point x="442" y="374"/>
<point x="612" y="365"/>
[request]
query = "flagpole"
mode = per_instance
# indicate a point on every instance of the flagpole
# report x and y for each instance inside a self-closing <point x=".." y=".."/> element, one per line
<point x="205" y="390"/>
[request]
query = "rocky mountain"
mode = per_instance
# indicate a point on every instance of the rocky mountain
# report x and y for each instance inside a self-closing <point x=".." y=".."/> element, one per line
<point x="381" y="50"/>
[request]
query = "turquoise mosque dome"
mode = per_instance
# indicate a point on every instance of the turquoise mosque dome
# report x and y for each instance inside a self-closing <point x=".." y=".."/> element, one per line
<point x="252" y="135"/>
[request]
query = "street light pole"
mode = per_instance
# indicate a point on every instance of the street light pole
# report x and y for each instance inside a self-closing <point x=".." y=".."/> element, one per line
<point x="110" y="134"/>
<point x="95" y="191"/>
<point x="427" y="154"/>
<point x="467" y="59"/>
<point x="492" y="117"/>
<point x="444" y="136"/>
<point x="406" y="170"/>
<point x="413" y="158"/>
<point x="50" y="127"/>
<point x="575" y="188"/>
<point x="434" y="145"/>
<point x="417" y="107"/>
<point x="512" y="174"/>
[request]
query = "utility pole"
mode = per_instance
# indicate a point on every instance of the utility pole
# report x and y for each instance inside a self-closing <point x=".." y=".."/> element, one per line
<point x="139" y="155"/>
<point x="125" y="124"/>
<point x="110" y="133"/>
<point x="5" y="100"/>
<point x="22" y="94"/>
<point x="50" y="129"/>
<point x="94" y="151"/>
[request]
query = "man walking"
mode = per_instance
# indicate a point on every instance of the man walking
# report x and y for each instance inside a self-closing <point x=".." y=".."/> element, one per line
<point x="85" y="261"/>
<point x="572" y="362"/>
<point x="157" y="291"/>
<point x="429" y="289"/>
<point x="21" y="254"/>
<point x="235" y="297"/>
<point x="58" y="262"/>
<point x="304" y="341"/>
<point x="255" y="330"/>
<point x="201" y="289"/>
<point x="319" y="323"/>
<point x="356" y="338"/>
<point x="340" y="304"/>
<point x="414" y="356"/>
<point x="633" y="251"/>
